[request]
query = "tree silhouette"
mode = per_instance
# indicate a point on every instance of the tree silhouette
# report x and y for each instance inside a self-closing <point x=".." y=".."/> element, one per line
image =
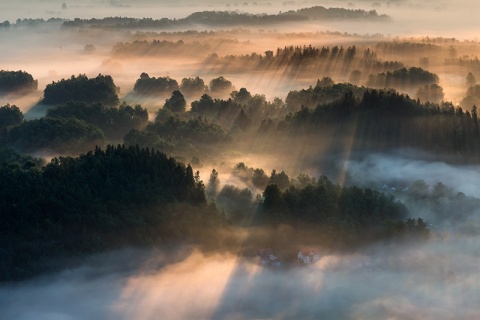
<point x="176" y="103"/>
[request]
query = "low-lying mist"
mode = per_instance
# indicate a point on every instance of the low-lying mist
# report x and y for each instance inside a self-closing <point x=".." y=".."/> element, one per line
<point x="435" y="280"/>
<point x="446" y="195"/>
<point x="378" y="168"/>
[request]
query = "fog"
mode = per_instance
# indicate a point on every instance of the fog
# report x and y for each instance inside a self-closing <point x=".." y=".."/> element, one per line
<point x="436" y="280"/>
<point x="377" y="167"/>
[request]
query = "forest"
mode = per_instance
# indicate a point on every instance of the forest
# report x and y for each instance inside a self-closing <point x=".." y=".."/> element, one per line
<point x="105" y="197"/>
<point x="121" y="195"/>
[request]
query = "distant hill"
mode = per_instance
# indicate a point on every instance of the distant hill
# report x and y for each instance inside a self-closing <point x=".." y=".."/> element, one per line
<point x="229" y="18"/>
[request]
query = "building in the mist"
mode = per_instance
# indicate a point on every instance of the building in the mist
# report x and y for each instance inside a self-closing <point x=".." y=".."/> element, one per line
<point x="308" y="256"/>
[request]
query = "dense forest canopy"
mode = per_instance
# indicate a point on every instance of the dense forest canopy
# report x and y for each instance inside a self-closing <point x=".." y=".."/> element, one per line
<point x="47" y="135"/>
<point x="384" y="120"/>
<point x="114" y="122"/>
<point x="345" y="216"/>
<point x="102" y="199"/>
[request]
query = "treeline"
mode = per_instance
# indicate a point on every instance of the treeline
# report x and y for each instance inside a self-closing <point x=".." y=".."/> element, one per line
<point x="229" y="18"/>
<point x="406" y="49"/>
<point x="209" y="127"/>
<point x="32" y="22"/>
<point x="383" y="120"/>
<point x="216" y="18"/>
<point x="242" y="109"/>
<point x="339" y="216"/>
<point x="70" y="128"/>
<point x="196" y="130"/>
<point x="307" y="60"/>
<point x="82" y="122"/>
<point x="380" y="120"/>
<point x="114" y="122"/>
<point x="146" y="85"/>
<point x="85" y="115"/>
<point x="53" y="135"/>
<point x="182" y="138"/>
<point x="472" y="64"/>
<point x="100" y="200"/>
<point x="20" y="82"/>
<point x="320" y="212"/>
<point x="325" y="91"/>
<point x="403" y="79"/>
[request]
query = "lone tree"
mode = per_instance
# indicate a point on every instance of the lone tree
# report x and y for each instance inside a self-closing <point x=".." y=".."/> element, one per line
<point x="193" y="86"/>
<point x="475" y="117"/>
<point x="471" y="80"/>
<point x="176" y="103"/>
<point x="213" y="184"/>
<point x="147" y="85"/>
<point x="242" y="96"/>
<point x="220" y="85"/>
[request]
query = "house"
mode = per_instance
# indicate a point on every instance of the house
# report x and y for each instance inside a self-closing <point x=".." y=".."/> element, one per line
<point x="307" y="256"/>
<point x="267" y="258"/>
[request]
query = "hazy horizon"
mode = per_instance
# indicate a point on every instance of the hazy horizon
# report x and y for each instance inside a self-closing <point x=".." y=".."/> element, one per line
<point x="409" y="18"/>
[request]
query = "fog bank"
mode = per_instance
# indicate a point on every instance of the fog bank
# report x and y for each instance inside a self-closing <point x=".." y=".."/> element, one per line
<point x="436" y="280"/>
